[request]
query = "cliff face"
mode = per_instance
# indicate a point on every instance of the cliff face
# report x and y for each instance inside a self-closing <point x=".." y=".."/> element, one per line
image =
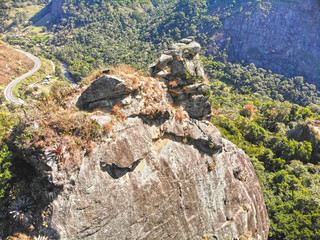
<point x="56" y="10"/>
<point x="156" y="173"/>
<point x="279" y="35"/>
<point x="147" y="182"/>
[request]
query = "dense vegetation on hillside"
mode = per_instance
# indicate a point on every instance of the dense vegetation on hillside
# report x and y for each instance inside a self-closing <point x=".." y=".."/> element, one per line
<point x="95" y="32"/>
<point x="3" y="14"/>
<point x="288" y="170"/>
<point x="253" y="107"/>
<point x="262" y="83"/>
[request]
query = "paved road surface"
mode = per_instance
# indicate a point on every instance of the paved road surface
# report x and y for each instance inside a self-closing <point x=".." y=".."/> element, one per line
<point x="8" y="91"/>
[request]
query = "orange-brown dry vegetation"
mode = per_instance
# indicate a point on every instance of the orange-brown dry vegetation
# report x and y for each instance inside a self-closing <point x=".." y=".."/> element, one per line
<point x="59" y="125"/>
<point x="179" y="114"/>
<point x="68" y="134"/>
<point x="152" y="90"/>
<point x="12" y="64"/>
<point x="20" y="236"/>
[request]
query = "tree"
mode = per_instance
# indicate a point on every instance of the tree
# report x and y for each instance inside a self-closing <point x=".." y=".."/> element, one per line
<point x="5" y="173"/>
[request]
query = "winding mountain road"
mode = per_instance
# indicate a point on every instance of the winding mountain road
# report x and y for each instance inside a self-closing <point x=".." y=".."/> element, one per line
<point x="8" y="91"/>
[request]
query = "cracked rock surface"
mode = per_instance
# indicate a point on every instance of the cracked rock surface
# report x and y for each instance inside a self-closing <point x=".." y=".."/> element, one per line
<point x="161" y="188"/>
<point x="156" y="175"/>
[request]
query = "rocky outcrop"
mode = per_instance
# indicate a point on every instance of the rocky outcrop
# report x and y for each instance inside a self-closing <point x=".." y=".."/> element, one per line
<point x="56" y="11"/>
<point x="49" y="15"/>
<point x="150" y="181"/>
<point x="308" y="131"/>
<point x="181" y="62"/>
<point x="180" y="68"/>
<point x="279" y="35"/>
<point x="104" y="93"/>
<point x="156" y="172"/>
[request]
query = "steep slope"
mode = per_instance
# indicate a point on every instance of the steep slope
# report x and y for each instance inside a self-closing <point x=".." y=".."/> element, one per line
<point x="157" y="175"/>
<point x="279" y="35"/>
<point x="146" y="182"/>
<point x="155" y="172"/>
<point x="12" y="63"/>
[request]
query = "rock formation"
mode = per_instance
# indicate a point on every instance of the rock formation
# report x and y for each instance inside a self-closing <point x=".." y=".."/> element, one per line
<point x="180" y="68"/>
<point x="308" y="131"/>
<point x="49" y="15"/>
<point x="279" y="35"/>
<point x="56" y="11"/>
<point x="157" y="172"/>
<point x="168" y="181"/>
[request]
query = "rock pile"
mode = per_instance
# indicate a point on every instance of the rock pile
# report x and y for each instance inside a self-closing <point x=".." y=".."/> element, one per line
<point x="181" y="62"/>
<point x="180" y="67"/>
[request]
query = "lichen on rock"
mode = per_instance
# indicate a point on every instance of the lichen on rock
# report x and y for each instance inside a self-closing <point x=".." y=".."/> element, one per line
<point x="161" y="171"/>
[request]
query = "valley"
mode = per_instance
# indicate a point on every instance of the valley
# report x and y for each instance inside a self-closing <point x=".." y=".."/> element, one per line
<point x="166" y="120"/>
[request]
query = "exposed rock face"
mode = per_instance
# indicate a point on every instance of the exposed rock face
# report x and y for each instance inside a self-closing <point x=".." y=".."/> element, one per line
<point x="310" y="132"/>
<point x="146" y="182"/>
<point x="279" y="35"/>
<point x="56" y="10"/>
<point x="157" y="173"/>
<point x="180" y="63"/>
<point x="50" y="15"/>
<point x="180" y="67"/>
<point x="105" y="92"/>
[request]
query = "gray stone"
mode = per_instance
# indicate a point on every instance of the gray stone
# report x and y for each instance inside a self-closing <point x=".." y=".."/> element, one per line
<point x="164" y="59"/>
<point x="102" y="120"/>
<point x="279" y="35"/>
<point x="193" y="47"/>
<point x="103" y="93"/>
<point x="154" y="176"/>
<point x="185" y="40"/>
<point x="135" y="188"/>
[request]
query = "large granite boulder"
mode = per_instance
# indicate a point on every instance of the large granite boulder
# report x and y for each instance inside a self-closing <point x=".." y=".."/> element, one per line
<point x="171" y="181"/>
<point x="103" y="93"/>
<point x="156" y="172"/>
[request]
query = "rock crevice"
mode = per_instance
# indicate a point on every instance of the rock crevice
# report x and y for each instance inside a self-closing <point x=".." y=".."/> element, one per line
<point x="160" y="172"/>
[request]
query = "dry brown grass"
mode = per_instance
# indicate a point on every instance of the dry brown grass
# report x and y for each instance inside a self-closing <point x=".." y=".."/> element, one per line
<point x="94" y="75"/>
<point x="117" y="113"/>
<point x="12" y="64"/>
<point x="173" y="83"/>
<point x="123" y="69"/>
<point x="151" y="88"/>
<point x="108" y="127"/>
<point x="179" y="114"/>
<point x="246" y="236"/>
<point x="20" y="236"/>
<point x="62" y="125"/>
<point x="118" y="71"/>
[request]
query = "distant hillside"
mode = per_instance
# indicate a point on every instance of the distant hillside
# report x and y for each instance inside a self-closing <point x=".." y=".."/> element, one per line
<point x="280" y="36"/>
<point x="12" y="64"/>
